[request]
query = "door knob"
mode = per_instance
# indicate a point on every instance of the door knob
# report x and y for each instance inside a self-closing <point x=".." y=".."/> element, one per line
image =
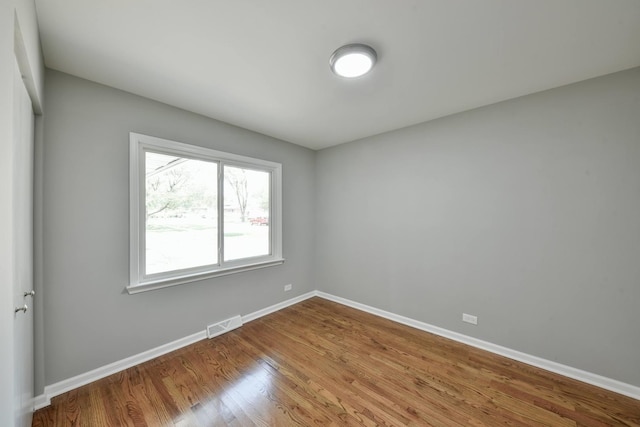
<point x="29" y="294"/>
<point x="24" y="309"/>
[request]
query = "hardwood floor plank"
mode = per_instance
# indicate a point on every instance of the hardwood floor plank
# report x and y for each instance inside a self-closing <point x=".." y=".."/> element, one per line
<point x="321" y="363"/>
<point x="389" y="363"/>
<point x="304" y="359"/>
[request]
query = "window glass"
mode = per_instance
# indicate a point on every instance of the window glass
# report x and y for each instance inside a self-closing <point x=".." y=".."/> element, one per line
<point x="181" y="218"/>
<point x="197" y="213"/>
<point x="246" y="213"/>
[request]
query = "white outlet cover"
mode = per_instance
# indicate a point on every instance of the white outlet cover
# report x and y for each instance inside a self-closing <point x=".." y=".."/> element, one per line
<point x="288" y="287"/>
<point x="469" y="318"/>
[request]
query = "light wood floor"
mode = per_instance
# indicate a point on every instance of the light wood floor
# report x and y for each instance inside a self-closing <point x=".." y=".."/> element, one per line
<point x="321" y="363"/>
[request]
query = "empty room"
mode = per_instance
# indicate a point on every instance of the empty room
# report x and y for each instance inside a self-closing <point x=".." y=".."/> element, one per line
<point x="297" y="213"/>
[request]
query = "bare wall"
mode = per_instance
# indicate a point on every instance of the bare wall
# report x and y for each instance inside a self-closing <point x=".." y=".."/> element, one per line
<point x="524" y="213"/>
<point x="89" y="320"/>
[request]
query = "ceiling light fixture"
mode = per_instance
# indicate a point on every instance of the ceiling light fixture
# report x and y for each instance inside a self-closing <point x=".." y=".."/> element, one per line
<point x="353" y="60"/>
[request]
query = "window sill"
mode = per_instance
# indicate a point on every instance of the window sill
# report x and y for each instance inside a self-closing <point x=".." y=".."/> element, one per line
<point x="165" y="283"/>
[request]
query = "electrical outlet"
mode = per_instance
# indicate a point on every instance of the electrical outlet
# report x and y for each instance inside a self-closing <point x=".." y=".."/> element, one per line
<point x="469" y="318"/>
<point x="288" y="287"/>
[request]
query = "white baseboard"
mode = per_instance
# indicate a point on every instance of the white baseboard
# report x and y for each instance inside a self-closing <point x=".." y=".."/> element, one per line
<point x="558" y="368"/>
<point x="79" y="380"/>
<point x="41" y="401"/>
<point x="272" y="309"/>
<point x="597" y="380"/>
<point x="104" y="371"/>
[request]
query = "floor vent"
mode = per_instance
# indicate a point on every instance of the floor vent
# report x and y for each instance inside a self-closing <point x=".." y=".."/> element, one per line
<point x="224" y="326"/>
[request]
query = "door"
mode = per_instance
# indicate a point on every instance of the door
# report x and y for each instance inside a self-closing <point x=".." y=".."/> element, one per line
<point x="22" y="240"/>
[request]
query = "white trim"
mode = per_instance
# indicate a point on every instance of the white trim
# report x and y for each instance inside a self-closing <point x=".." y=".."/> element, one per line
<point x="63" y="386"/>
<point x="279" y="306"/>
<point x="165" y="283"/>
<point x="558" y="368"/>
<point x="587" y="377"/>
<point x="139" y="144"/>
<point x="104" y="371"/>
<point x="41" y="401"/>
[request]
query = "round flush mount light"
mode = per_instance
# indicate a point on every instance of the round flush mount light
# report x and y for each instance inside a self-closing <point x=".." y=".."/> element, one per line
<point x="353" y="60"/>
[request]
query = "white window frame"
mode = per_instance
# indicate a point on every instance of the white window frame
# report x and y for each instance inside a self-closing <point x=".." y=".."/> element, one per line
<point x="138" y="280"/>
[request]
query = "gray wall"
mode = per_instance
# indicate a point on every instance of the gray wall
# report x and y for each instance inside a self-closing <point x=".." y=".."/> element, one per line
<point x="89" y="321"/>
<point x="525" y="213"/>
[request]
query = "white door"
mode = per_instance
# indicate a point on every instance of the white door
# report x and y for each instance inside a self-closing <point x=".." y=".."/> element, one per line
<point x="22" y="239"/>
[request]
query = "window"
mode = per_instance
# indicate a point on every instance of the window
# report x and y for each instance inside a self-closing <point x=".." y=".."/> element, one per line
<point x="197" y="213"/>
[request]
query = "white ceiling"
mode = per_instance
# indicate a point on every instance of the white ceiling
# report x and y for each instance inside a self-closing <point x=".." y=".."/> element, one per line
<point x="264" y="64"/>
